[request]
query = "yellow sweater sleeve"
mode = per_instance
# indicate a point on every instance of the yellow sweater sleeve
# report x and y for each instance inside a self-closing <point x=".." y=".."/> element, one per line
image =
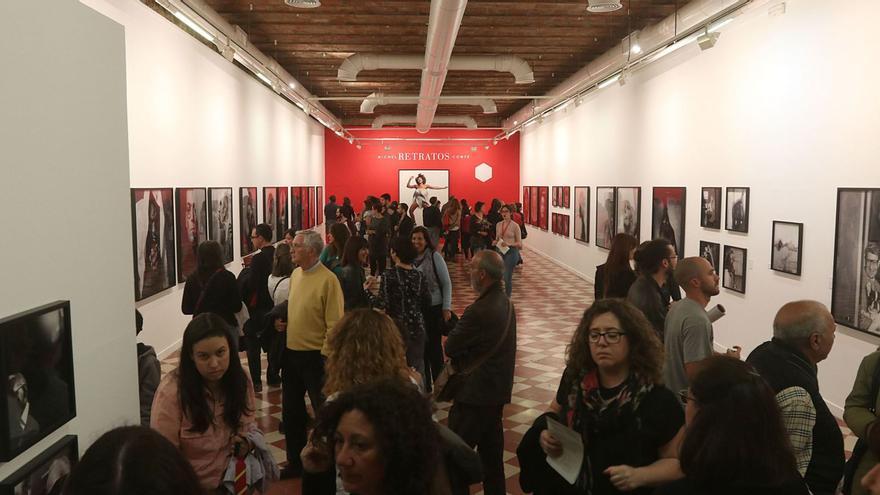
<point x="333" y="309"/>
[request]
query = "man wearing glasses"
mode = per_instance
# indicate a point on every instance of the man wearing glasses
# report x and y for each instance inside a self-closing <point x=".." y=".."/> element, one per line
<point x="869" y="303"/>
<point x="655" y="260"/>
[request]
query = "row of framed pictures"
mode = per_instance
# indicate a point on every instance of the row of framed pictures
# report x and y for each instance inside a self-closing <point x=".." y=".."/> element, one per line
<point x="562" y="196"/>
<point x="561" y="223"/>
<point x="45" y="474"/>
<point x="168" y="225"/>
<point x="733" y="268"/>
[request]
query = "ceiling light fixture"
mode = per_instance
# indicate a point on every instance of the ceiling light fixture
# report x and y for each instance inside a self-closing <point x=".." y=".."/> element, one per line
<point x="303" y="4"/>
<point x="264" y="78"/>
<point x="194" y="26"/>
<point x="387" y="147"/>
<point x="720" y="24"/>
<point x="609" y="81"/>
<point x="707" y="40"/>
<point x="351" y="140"/>
<point x="603" y="5"/>
<point x="358" y="146"/>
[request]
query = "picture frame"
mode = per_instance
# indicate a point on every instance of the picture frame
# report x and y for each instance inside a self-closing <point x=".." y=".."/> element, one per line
<point x="605" y="216"/>
<point x="855" y="292"/>
<point x="526" y="205"/>
<point x="566" y="197"/>
<point x="555" y="191"/>
<point x="296" y="208"/>
<point x="712" y="252"/>
<point x="221" y="220"/>
<point x="786" y="248"/>
<point x="436" y="183"/>
<point x="628" y="211"/>
<point x="668" y="216"/>
<point x="582" y="213"/>
<point x="543" y="207"/>
<point x="710" y="207"/>
<point x="283" y="218"/>
<point x="247" y="214"/>
<point x="319" y="204"/>
<point x="565" y="221"/>
<point x="36" y="361"/>
<point x="153" y="241"/>
<point x="735" y="266"/>
<point x="270" y="210"/>
<point x="46" y="473"/>
<point x="533" y="197"/>
<point x="737" y="210"/>
<point x="191" y="226"/>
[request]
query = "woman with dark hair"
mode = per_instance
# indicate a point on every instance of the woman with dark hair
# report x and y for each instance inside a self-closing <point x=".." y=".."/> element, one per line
<point x="211" y="288"/>
<point x="206" y="406"/>
<point x="132" y="460"/>
<point x="616" y="275"/>
<point x="508" y="242"/>
<point x="274" y="337"/>
<point x="378" y="232"/>
<point x="479" y="229"/>
<point x="494" y="215"/>
<point x="452" y="224"/>
<point x="331" y="256"/>
<point x="352" y="276"/>
<point x="432" y="266"/>
<point x="735" y="441"/>
<point x="610" y="394"/>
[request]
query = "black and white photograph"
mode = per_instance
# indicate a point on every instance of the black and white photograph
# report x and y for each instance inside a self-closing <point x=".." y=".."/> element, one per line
<point x="36" y="359"/>
<point x="270" y="209"/>
<point x="712" y="252"/>
<point x="629" y="212"/>
<point x="668" y="216"/>
<point x="247" y="205"/>
<point x="416" y="187"/>
<point x="582" y="213"/>
<point x="735" y="269"/>
<point x="605" y="216"/>
<point x="737" y="217"/>
<point x="710" y="207"/>
<point x="45" y="474"/>
<point x="282" y="215"/>
<point x="220" y="220"/>
<point x="785" y="254"/>
<point x="192" y="227"/>
<point x="855" y="296"/>
<point x="152" y="222"/>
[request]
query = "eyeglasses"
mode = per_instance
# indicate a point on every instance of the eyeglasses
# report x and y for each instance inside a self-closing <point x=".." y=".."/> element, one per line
<point x="685" y="396"/>
<point x="611" y="337"/>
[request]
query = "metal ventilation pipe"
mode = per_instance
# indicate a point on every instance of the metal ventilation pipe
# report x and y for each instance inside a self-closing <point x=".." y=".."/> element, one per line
<point x="378" y="99"/>
<point x="521" y="70"/>
<point x="384" y="120"/>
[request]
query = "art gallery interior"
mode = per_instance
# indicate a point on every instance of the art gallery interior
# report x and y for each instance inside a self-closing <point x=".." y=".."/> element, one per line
<point x="102" y="96"/>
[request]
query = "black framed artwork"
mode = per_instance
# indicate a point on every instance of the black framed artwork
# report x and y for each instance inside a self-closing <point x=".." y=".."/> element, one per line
<point x="605" y="215"/>
<point x="220" y="220"/>
<point x="526" y="205"/>
<point x="152" y="239"/>
<point x="737" y="212"/>
<point x="855" y="293"/>
<point x="296" y="208"/>
<point x="191" y="224"/>
<point x="735" y="268"/>
<point x="628" y="201"/>
<point x="786" y="250"/>
<point x="533" y="197"/>
<point x="46" y="473"/>
<point x="36" y="360"/>
<point x="319" y="204"/>
<point x="555" y="190"/>
<point x="710" y="207"/>
<point x="582" y="213"/>
<point x="668" y="216"/>
<point x="543" y="206"/>
<point x="566" y="197"/>
<point x="270" y="209"/>
<point x="247" y="205"/>
<point x="283" y="215"/>
<point x="712" y="252"/>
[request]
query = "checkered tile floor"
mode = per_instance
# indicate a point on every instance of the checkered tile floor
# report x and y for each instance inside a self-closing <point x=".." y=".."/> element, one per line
<point x="549" y="302"/>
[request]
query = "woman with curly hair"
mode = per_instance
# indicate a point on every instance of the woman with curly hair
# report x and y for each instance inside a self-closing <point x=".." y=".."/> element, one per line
<point x="611" y="395"/>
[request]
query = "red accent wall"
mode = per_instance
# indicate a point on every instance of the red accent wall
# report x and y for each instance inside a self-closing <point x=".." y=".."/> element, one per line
<point x="357" y="173"/>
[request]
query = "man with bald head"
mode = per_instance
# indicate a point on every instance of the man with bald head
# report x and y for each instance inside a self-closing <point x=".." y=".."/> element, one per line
<point x="803" y="334"/>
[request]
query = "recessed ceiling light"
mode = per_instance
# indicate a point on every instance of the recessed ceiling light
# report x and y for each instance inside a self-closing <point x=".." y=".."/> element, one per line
<point x="303" y="4"/>
<point x="603" y="5"/>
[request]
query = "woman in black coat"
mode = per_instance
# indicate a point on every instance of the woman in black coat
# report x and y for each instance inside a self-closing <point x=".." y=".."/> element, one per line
<point x="211" y="288"/>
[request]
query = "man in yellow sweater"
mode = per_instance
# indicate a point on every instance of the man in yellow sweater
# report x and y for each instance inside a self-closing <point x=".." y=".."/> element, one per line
<point x="314" y="307"/>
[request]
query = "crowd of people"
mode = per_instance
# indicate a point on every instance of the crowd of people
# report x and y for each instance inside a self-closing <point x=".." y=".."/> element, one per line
<point x="358" y="325"/>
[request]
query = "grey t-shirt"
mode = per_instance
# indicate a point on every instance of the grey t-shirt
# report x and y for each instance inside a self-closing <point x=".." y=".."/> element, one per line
<point x="688" y="338"/>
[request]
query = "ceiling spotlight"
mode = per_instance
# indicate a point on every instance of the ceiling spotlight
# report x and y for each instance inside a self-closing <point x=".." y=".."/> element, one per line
<point x="358" y="146"/>
<point x="387" y="147"/>
<point x="303" y="4"/>
<point x="486" y="147"/>
<point x="632" y="42"/>
<point x="608" y="82"/>
<point x="578" y="101"/>
<point x="473" y="148"/>
<point x="707" y="40"/>
<point x="494" y="142"/>
<point x="351" y="140"/>
<point x="603" y="5"/>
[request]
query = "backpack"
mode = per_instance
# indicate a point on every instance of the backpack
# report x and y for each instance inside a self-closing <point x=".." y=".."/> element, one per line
<point x="248" y="297"/>
<point x="522" y="230"/>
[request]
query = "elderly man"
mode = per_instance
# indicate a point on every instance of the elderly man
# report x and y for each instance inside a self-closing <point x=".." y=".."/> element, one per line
<point x="314" y="307"/>
<point x="803" y="334"/>
<point x="484" y="341"/>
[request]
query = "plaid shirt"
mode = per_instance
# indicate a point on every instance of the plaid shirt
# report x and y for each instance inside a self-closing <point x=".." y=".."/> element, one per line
<point x="798" y="417"/>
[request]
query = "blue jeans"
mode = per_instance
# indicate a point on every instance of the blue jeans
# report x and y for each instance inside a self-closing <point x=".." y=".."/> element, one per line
<point x="511" y="258"/>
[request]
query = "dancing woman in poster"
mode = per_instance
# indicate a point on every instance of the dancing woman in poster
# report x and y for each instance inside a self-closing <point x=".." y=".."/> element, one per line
<point x="420" y="195"/>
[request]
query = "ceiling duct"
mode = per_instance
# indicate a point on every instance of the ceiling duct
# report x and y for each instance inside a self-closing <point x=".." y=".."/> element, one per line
<point x="351" y="66"/>
<point x="442" y="31"/>
<point x="379" y="99"/>
<point x="464" y="120"/>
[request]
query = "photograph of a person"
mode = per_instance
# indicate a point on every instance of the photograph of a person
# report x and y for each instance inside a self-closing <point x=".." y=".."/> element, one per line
<point x="270" y="209"/>
<point x="543" y="206"/>
<point x="785" y="253"/>
<point x="565" y="225"/>
<point x="296" y="208"/>
<point x="566" y="197"/>
<point x="710" y="207"/>
<point x="855" y="295"/>
<point x="283" y="213"/>
<point x="319" y="205"/>
<point x="735" y="269"/>
<point x="556" y="195"/>
<point x="668" y="216"/>
<point x="247" y="205"/>
<point x="712" y="252"/>
<point x="737" y="209"/>
<point x="220" y="220"/>
<point x="152" y="219"/>
<point x="417" y="187"/>
<point x="47" y="473"/>
<point x="192" y="227"/>
<point x="628" y="217"/>
<point x="605" y="216"/>
<point x="308" y="220"/>
<point x="533" y="197"/>
<point x="36" y="359"/>
<point x="582" y="213"/>
<point x="526" y="205"/>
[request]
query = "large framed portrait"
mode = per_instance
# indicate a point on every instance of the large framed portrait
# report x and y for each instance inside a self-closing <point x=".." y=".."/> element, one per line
<point x="526" y="205"/>
<point x="628" y="201"/>
<point x="668" y="216"/>
<point x="543" y="206"/>
<point x="152" y="238"/>
<point x="283" y="213"/>
<point x="582" y="213"/>
<point x="191" y="223"/>
<point x="270" y="209"/>
<point x="710" y="207"/>
<point x="220" y="220"/>
<point x="737" y="216"/>
<point x="785" y="253"/>
<point x="605" y="215"/>
<point x="247" y="205"/>
<point x="45" y="474"/>
<point x="319" y="205"/>
<point x="735" y="268"/>
<point x="296" y="208"/>
<point x="855" y="296"/>
<point x="415" y="187"/>
<point x="712" y="252"/>
<point x="36" y="360"/>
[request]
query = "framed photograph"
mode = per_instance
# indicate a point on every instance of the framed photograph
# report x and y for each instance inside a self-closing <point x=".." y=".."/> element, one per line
<point x="270" y="209"/>
<point x="785" y="254"/>
<point x="319" y="204"/>
<point x="605" y="209"/>
<point x="283" y="218"/>
<point x="526" y="205"/>
<point x="296" y="208"/>
<point x="308" y="207"/>
<point x="628" y="201"/>
<point x="855" y="295"/>
<point x="553" y="222"/>
<point x="191" y="223"/>
<point x="566" y="197"/>
<point x="416" y="186"/>
<point x="555" y="190"/>
<point x="712" y="252"/>
<point x="582" y="213"/>
<point x="543" y="206"/>
<point x="565" y="221"/>
<point x="710" y="207"/>
<point x="152" y="239"/>
<point x="735" y="268"/>
<point x="247" y="205"/>
<point x="36" y="360"/>
<point x="220" y="220"/>
<point x="533" y="197"/>
<point x="737" y="209"/>
<point x="668" y="216"/>
<point x="46" y="473"/>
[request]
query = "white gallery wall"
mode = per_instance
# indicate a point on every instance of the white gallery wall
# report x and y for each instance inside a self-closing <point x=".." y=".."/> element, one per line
<point x="196" y="120"/>
<point x="785" y="104"/>
<point x="64" y="193"/>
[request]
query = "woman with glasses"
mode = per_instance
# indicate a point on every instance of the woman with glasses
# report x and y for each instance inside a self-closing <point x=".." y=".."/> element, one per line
<point x="508" y="242"/>
<point x="611" y="396"/>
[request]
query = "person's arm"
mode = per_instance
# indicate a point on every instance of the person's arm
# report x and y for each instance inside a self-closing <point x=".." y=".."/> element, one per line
<point x="696" y="345"/>
<point x="857" y="410"/>
<point x="435" y="187"/>
<point x="798" y="417"/>
<point x="466" y="335"/>
<point x="192" y="290"/>
<point x="409" y="183"/>
<point x="166" y="414"/>
<point x="517" y="236"/>
<point x="445" y="280"/>
<point x="149" y="376"/>
<point x="662" y="471"/>
<point x="334" y="308"/>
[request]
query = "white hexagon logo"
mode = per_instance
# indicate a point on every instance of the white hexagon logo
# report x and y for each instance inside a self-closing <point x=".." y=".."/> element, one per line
<point x="483" y="172"/>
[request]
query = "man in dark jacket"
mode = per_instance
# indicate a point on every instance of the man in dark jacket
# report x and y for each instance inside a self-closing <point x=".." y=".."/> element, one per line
<point x="433" y="220"/>
<point x="258" y="299"/>
<point x="655" y="261"/>
<point x="488" y="326"/>
<point x="803" y="334"/>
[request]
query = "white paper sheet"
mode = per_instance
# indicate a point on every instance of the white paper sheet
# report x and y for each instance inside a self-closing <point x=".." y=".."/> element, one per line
<point x="502" y="247"/>
<point x="568" y="465"/>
